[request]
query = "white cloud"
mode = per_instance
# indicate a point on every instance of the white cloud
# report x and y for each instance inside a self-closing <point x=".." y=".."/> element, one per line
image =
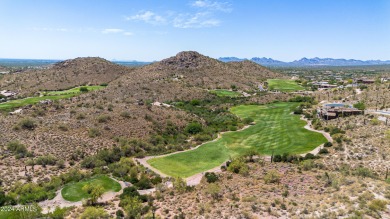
<point x="148" y="17"/>
<point x="213" y="5"/>
<point x="202" y="14"/>
<point x="128" y="33"/>
<point x="112" y="30"/>
<point x="198" y="20"/>
<point x="49" y="29"/>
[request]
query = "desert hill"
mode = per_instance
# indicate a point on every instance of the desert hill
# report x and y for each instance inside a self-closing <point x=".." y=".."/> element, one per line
<point x="187" y="76"/>
<point x="95" y="120"/>
<point x="64" y="75"/>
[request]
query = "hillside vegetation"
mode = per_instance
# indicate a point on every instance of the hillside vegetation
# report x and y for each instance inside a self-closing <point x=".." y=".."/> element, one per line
<point x="167" y="107"/>
<point x="63" y="75"/>
<point x="122" y="114"/>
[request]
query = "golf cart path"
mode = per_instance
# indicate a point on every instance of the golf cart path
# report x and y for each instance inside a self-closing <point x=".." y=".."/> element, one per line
<point x="58" y="200"/>
<point x="195" y="179"/>
<point x="143" y="161"/>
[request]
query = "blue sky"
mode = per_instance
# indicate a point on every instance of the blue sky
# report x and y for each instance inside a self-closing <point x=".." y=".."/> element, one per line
<point x="150" y="30"/>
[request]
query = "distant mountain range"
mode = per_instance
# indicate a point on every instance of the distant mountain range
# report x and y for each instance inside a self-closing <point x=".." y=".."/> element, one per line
<point x="269" y="62"/>
<point x="44" y="62"/>
<point x="307" y="62"/>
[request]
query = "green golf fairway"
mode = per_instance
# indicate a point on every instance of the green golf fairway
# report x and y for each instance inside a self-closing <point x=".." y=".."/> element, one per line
<point x="74" y="191"/>
<point x="75" y="90"/>
<point x="226" y="93"/>
<point x="49" y="95"/>
<point x="275" y="130"/>
<point x="284" y="85"/>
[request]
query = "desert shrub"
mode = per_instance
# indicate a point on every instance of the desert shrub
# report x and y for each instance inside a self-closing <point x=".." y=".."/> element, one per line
<point x="285" y="193"/>
<point x="307" y="99"/>
<point x="238" y="165"/>
<point x="119" y="214"/>
<point x="364" y="172"/>
<point x="125" y="114"/>
<point x="338" y="137"/>
<point x="38" y="112"/>
<point x="211" y="177"/>
<point x="309" y="156"/>
<point x="110" y="107"/>
<point x="103" y="118"/>
<point x="277" y="158"/>
<point x="202" y="137"/>
<point x="132" y="192"/>
<point x="60" y="164"/>
<point x="18" y="149"/>
<point x="80" y="116"/>
<point x="214" y="190"/>
<point x="328" y="144"/>
<point x="249" y="155"/>
<point x="323" y="151"/>
<point x="92" y="212"/>
<point x="375" y="121"/>
<point x="132" y="206"/>
<point x="195" y="102"/>
<point x="29" y="193"/>
<point x="46" y="160"/>
<point x="360" y="106"/>
<point x="27" y="123"/>
<point x="193" y="128"/>
<point x="83" y="89"/>
<point x="93" y="132"/>
<point x="91" y="162"/>
<point x="334" y="130"/>
<point x="307" y="164"/>
<point x="156" y="180"/>
<point x="272" y="177"/>
<point x="3" y="198"/>
<point x="180" y="185"/>
<point x="143" y="183"/>
<point x="377" y="205"/>
<point x="59" y="213"/>
<point x="63" y="127"/>
<point x="298" y="110"/>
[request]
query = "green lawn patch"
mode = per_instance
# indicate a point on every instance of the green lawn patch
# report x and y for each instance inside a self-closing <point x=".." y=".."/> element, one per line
<point x="284" y="85"/>
<point x="226" y="93"/>
<point x="48" y="95"/>
<point x="74" y="191"/>
<point x="75" y="90"/>
<point x="275" y="130"/>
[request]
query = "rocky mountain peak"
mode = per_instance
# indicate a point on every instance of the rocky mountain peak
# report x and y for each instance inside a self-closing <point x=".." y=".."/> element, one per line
<point x="187" y="59"/>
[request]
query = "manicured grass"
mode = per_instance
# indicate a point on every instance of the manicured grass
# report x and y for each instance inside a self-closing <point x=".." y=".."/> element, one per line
<point x="226" y="93"/>
<point x="49" y="95"/>
<point x="275" y="130"/>
<point x="75" y="90"/>
<point x="30" y="100"/>
<point x="74" y="191"/>
<point x="284" y="85"/>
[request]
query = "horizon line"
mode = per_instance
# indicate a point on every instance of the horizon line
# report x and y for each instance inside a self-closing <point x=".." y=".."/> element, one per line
<point x="133" y="60"/>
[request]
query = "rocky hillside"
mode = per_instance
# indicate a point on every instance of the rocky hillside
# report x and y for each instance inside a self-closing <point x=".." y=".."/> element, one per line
<point x="187" y="76"/>
<point x="100" y="119"/>
<point x="64" y="75"/>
